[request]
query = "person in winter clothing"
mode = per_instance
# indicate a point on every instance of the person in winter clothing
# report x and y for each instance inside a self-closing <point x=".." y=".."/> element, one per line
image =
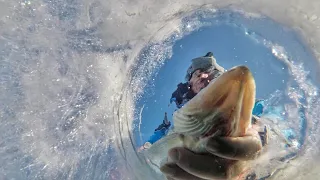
<point x="203" y="70"/>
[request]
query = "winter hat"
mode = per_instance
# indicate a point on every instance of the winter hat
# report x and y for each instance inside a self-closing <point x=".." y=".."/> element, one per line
<point x="205" y="63"/>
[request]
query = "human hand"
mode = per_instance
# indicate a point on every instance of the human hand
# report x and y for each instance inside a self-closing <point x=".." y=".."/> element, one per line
<point x="188" y="165"/>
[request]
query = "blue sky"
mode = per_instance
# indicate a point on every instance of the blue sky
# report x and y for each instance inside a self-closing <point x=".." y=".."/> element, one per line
<point x="231" y="47"/>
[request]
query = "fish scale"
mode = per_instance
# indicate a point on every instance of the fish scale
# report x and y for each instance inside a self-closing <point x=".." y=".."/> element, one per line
<point x="230" y="97"/>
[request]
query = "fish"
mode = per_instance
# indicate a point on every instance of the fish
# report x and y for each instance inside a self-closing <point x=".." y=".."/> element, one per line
<point x="223" y="108"/>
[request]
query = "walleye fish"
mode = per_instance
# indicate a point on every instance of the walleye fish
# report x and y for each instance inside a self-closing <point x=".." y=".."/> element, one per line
<point x="223" y="108"/>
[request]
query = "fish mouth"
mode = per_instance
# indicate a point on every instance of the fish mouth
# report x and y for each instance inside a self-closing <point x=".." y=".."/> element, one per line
<point x="225" y="104"/>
